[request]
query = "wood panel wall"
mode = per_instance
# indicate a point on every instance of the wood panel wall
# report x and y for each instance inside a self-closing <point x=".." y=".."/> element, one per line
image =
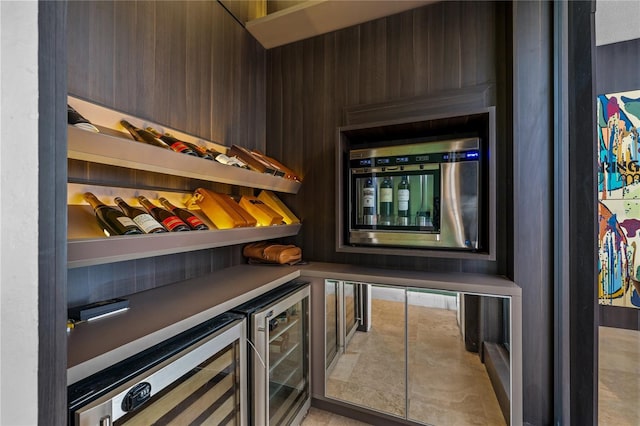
<point x="448" y="45"/>
<point x="188" y="65"/>
<point x="533" y="201"/>
<point x="52" y="214"/>
<point x="617" y="67"/>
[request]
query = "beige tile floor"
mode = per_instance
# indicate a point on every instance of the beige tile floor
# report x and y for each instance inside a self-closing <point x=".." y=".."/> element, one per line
<point x="447" y="385"/>
<point x="619" y="383"/>
<point x="619" y="377"/>
<point x="318" y="417"/>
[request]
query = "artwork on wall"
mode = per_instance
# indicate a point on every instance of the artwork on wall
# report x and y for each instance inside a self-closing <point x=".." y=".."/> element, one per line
<point x="618" y="121"/>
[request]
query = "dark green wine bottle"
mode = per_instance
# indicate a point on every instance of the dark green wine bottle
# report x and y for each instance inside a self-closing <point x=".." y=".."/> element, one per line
<point x="111" y="220"/>
<point x="403" y="201"/>
<point x="144" y="220"/>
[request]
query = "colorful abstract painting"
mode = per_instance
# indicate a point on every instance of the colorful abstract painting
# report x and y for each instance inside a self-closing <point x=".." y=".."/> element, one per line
<point x="619" y="199"/>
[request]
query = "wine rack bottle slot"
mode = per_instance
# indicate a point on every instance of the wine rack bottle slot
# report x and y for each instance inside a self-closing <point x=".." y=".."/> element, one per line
<point x="169" y="220"/>
<point x="144" y="220"/>
<point x="189" y="218"/>
<point x="142" y="135"/>
<point x="112" y="220"/>
<point x="174" y="143"/>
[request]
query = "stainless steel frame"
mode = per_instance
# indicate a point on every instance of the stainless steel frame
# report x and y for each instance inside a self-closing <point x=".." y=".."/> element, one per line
<point x="514" y="316"/>
<point x="260" y="338"/>
<point x="459" y="197"/>
<point x="344" y="331"/>
<point x="108" y="409"/>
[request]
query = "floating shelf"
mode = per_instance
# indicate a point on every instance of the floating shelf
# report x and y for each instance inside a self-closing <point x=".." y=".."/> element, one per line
<point x="119" y="151"/>
<point x="101" y="250"/>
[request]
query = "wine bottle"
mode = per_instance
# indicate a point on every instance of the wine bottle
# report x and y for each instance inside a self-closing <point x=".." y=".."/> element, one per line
<point x="111" y="220"/>
<point x="386" y="201"/>
<point x="423" y="215"/>
<point x="200" y="150"/>
<point x="369" y="202"/>
<point x="142" y="135"/>
<point x="169" y="220"/>
<point x="174" y="143"/>
<point x="187" y="217"/>
<point x="144" y="220"/>
<point x="75" y="119"/>
<point x="231" y="161"/>
<point x="403" y="201"/>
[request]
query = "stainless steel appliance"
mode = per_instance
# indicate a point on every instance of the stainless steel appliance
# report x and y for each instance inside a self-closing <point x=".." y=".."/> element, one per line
<point x="196" y="377"/>
<point x="425" y="194"/>
<point x="343" y="316"/>
<point x="278" y="333"/>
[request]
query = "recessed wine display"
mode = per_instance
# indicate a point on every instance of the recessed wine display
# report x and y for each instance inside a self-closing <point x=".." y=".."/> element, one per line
<point x="132" y="166"/>
<point x="424" y="194"/>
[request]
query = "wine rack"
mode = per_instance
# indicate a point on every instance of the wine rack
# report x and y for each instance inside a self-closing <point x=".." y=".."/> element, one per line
<point x="88" y="246"/>
<point x="110" y="149"/>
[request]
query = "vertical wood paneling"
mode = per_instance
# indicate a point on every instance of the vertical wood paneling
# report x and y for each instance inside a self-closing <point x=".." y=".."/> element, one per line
<point x="451" y="45"/>
<point x="436" y="36"/>
<point x="52" y="217"/>
<point x="185" y="64"/>
<point x="452" y="65"/>
<point x="188" y="65"/>
<point x="100" y="58"/>
<point x="198" y="60"/>
<point x="582" y="347"/>
<point x="422" y="53"/>
<point x="170" y="94"/>
<point x="469" y="48"/>
<point x="373" y="61"/>
<point x="532" y="178"/>
<point x="144" y="54"/>
<point x="128" y="65"/>
<point x="400" y="56"/>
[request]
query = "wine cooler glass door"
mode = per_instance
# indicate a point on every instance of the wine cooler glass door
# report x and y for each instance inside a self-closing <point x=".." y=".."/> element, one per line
<point x="283" y="337"/>
<point x="203" y="384"/>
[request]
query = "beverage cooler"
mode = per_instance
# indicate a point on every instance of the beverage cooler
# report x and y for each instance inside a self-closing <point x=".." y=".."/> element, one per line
<point x="197" y="377"/>
<point x="278" y="335"/>
<point x="426" y="194"/>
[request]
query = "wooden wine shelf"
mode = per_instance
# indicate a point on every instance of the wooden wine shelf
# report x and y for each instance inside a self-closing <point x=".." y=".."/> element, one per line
<point x="101" y="250"/>
<point x="119" y="151"/>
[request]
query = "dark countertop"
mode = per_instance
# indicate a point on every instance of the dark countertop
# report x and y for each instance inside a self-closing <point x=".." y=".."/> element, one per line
<point x="163" y="312"/>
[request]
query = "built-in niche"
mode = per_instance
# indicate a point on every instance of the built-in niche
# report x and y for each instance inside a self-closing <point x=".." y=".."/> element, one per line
<point x="419" y="180"/>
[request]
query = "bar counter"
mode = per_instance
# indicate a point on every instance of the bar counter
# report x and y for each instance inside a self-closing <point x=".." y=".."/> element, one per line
<point x="158" y="314"/>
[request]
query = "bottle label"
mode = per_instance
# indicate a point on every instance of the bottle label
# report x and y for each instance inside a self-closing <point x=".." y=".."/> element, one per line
<point x="386" y="195"/>
<point x="194" y="222"/>
<point x="403" y="199"/>
<point x="179" y="147"/>
<point x="171" y="222"/>
<point x="368" y="197"/>
<point x="125" y="221"/>
<point x="146" y="222"/>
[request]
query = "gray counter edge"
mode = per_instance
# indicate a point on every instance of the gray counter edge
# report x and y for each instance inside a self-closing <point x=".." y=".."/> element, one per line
<point x="257" y="280"/>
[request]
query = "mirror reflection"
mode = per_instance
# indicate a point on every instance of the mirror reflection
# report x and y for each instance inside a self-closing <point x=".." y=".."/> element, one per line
<point x="430" y="356"/>
<point x="370" y="367"/>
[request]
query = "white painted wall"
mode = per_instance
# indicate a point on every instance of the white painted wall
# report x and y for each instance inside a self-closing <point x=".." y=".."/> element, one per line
<point x="18" y="212"/>
<point x="617" y="20"/>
